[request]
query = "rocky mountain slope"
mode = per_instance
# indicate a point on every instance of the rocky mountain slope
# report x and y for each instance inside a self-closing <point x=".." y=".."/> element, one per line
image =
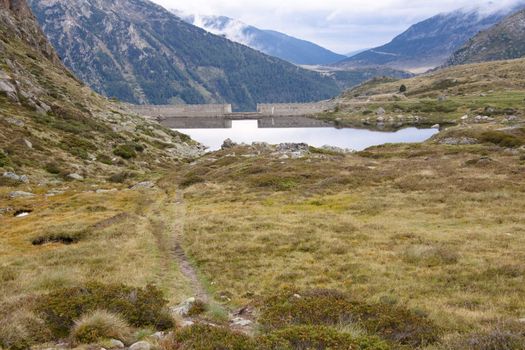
<point x="505" y="40"/>
<point x="430" y="43"/>
<point x="51" y="124"/>
<point x="139" y="52"/>
<point x="270" y="42"/>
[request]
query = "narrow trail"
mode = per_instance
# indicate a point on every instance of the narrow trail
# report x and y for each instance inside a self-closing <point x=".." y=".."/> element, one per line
<point x="179" y="254"/>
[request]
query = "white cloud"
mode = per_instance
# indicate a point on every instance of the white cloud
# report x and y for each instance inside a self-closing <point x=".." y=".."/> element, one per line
<point x="341" y="25"/>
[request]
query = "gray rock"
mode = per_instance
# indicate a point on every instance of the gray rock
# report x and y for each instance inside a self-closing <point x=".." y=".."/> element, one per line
<point x="140" y="345"/>
<point x="158" y="335"/>
<point x="228" y="143"/>
<point x="465" y="117"/>
<point x="186" y="323"/>
<point x="143" y="185"/>
<point x="337" y="149"/>
<point x="20" y="194"/>
<point x="28" y="144"/>
<point x="15" y="177"/>
<point x="380" y="111"/>
<point x="115" y="344"/>
<point x="240" y="322"/>
<point x="183" y="308"/>
<point x="458" y="141"/>
<point x="293" y="147"/>
<point x="436" y="126"/>
<point x="75" y="176"/>
<point x="15" y="121"/>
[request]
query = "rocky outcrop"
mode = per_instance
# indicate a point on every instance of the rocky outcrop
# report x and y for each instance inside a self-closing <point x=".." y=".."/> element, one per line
<point x="501" y="42"/>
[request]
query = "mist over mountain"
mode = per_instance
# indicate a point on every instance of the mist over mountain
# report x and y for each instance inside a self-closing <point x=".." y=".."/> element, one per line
<point x="270" y="42"/>
<point x="430" y="43"/>
<point x="139" y="52"/>
<point x="505" y="40"/>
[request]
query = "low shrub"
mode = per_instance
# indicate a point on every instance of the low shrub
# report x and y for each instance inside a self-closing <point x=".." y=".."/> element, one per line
<point x="121" y="177"/>
<point x="317" y="337"/>
<point x="104" y="159"/>
<point x="426" y="255"/>
<point x="191" y="179"/>
<point x="126" y="151"/>
<point x="204" y="337"/>
<point x="99" y="325"/>
<point x="59" y="237"/>
<point x="332" y="308"/>
<point x="504" y="336"/>
<point x="197" y="308"/>
<point x="501" y="139"/>
<point x="53" y="168"/>
<point x="278" y="183"/>
<point x="140" y="307"/>
<point x="4" y="159"/>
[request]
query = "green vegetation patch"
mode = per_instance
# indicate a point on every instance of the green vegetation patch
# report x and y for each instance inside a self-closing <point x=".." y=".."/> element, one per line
<point x="205" y="337"/>
<point x="4" y="159"/>
<point x="501" y="139"/>
<point x="140" y="307"/>
<point x="332" y="308"/>
<point x="318" y="337"/>
<point x="128" y="150"/>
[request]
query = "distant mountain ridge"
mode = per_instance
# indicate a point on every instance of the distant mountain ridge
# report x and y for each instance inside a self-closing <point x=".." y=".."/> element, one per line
<point x="428" y="44"/>
<point x="139" y="52"/>
<point x="505" y="40"/>
<point x="270" y="42"/>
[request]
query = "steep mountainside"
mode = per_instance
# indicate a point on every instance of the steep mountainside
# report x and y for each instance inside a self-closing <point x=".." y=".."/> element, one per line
<point x="506" y="40"/>
<point x="139" y="52"/>
<point x="428" y="44"/>
<point x="270" y="42"/>
<point x="51" y="124"/>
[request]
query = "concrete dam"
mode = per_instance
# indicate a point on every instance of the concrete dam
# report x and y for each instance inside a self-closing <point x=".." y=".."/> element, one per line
<point x="221" y="115"/>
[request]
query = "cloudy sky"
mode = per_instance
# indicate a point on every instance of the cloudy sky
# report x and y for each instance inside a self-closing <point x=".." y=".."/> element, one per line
<point x="340" y="25"/>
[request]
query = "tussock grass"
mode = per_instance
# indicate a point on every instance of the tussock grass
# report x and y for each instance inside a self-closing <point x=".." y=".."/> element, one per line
<point x="99" y="325"/>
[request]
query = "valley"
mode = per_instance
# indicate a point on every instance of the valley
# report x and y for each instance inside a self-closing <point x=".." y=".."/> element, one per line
<point x="120" y="231"/>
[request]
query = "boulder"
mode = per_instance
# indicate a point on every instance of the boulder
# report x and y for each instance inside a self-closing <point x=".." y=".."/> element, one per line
<point x="435" y="126"/>
<point x="458" y="141"/>
<point x="75" y="176"/>
<point x="20" y="194"/>
<point x="143" y="185"/>
<point x="183" y="308"/>
<point x="380" y="111"/>
<point x="115" y="344"/>
<point x="141" y="345"/>
<point x="15" y="177"/>
<point x="228" y="143"/>
<point x="16" y="122"/>
<point x="240" y="322"/>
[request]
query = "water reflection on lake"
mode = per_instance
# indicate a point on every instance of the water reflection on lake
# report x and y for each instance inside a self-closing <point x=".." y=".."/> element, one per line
<point x="247" y="131"/>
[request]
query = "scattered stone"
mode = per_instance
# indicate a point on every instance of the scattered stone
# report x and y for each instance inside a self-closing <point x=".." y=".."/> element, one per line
<point x="15" y="177"/>
<point x="5" y="210"/>
<point x="28" y="144"/>
<point x="186" y="323"/>
<point x="511" y="118"/>
<point x="521" y="320"/>
<point x="337" y="149"/>
<point x="158" y="335"/>
<point x="458" y="141"/>
<point x="16" y="122"/>
<point x="75" y="176"/>
<point x="54" y="193"/>
<point x="240" y="322"/>
<point x="297" y="296"/>
<point x="115" y="344"/>
<point x="20" y="194"/>
<point x="380" y="111"/>
<point x="435" y="126"/>
<point x="228" y="143"/>
<point x="143" y="185"/>
<point x="141" y="345"/>
<point x="465" y="117"/>
<point x="482" y="119"/>
<point x="183" y="308"/>
<point x="106" y="191"/>
<point x="293" y="147"/>
<point x="442" y="98"/>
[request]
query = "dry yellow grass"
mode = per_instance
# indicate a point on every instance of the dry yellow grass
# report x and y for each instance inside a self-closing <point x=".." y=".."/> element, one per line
<point x="417" y="225"/>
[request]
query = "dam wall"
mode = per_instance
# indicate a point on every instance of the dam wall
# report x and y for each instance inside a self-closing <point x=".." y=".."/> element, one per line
<point x="174" y="111"/>
<point x="293" y="109"/>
